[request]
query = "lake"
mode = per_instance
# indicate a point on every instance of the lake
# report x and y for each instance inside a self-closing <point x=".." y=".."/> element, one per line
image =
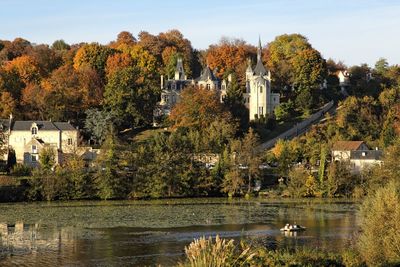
<point x="147" y="233"/>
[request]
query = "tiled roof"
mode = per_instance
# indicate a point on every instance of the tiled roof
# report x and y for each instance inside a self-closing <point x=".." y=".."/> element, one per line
<point x="207" y="74"/>
<point x="26" y="126"/>
<point x="346" y="145"/>
<point x="64" y="126"/>
<point x="42" y="125"/>
<point x="260" y="69"/>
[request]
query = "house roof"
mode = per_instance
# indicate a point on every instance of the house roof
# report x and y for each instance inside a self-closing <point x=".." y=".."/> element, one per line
<point x="64" y="126"/>
<point x="42" y="125"/>
<point x="207" y="74"/>
<point x="366" y="154"/>
<point x="26" y="126"/>
<point x="260" y="69"/>
<point x="346" y="145"/>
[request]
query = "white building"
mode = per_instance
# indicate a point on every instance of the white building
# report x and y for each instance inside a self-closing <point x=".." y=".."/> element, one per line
<point x="356" y="154"/>
<point x="171" y="88"/>
<point x="28" y="138"/>
<point x="259" y="98"/>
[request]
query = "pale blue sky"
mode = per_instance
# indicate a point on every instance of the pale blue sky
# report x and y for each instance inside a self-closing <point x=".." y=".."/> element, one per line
<point x="354" y="31"/>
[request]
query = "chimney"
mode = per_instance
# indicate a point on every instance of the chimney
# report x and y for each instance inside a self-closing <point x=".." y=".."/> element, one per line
<point x="10" y="122"/>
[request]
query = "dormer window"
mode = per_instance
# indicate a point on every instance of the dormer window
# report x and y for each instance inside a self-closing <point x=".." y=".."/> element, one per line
<point x="34" y="130"/>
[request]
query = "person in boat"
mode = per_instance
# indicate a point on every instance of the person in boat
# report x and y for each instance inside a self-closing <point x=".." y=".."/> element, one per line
<point x="286" y="226"/>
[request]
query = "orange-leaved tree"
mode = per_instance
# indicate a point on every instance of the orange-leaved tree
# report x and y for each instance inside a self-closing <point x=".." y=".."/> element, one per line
<point x="197" y="109"/>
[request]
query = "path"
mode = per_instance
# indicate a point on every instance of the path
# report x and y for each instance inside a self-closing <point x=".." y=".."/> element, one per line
<point x="301" y="127"/>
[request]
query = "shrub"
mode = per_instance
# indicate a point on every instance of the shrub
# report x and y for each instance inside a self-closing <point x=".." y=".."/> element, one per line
<point x="204" y="252"/>
<point x="21" y="170"/>
<point x="379" y="242"/>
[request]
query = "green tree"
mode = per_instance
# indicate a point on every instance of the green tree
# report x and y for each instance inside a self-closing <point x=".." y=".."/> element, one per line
<point x="284" y="110"/>
<point x="60" y="45"/>
<point x="108" y="181"/>
<point x="94" y="56"/>
<point x="248" y="157"/>
<point x="47" y="158"/>
<point x="99" y="124"/>
<point x="297" y="182"/>
<point x="131" y="102"/>
<point x="379" y="241"/>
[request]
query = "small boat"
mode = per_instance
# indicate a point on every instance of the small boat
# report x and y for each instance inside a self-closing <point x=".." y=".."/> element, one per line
<point x="293" y="228"/>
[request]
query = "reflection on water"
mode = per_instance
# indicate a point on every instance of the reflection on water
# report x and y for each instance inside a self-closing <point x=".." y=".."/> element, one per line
<point x="138" y="233"/>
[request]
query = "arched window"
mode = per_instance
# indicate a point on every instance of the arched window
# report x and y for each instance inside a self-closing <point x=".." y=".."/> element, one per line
<point x="34" y="130"/>
<point x="208" y="86"/>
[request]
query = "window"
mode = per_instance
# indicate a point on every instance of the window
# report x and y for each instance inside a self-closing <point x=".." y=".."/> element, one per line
<point x="34" y="158"/>
<point x="260" y="110"/>
<point x="34" y="130"/>
<point x="261" y="89"/>
<point x="208" y="86"/>
<point x="34" y="149"/>
<point x="223" y="87"/>
<point x="69" y="141"/>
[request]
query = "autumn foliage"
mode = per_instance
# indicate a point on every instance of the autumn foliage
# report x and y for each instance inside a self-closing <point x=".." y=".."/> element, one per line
<point x="197" y="108"/>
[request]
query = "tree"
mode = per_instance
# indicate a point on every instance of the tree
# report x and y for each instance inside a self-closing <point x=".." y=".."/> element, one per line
<point x="198" y="108"/>
<point x="108" y="181"/>
<point x="130" y="98"/>
<point x="26" y="67"/>
<point x="235" y="104"/>
<point x="60" y="45"/>
<point x="249" y="156"/>
<point x="280" y="56"/>
<point x="94" y="56"/>
<point x="126" y="38"/>
<point x="47" y="158"/>
<point x="99" y="124"/>
<point x="230" y="55"/>
<point x="379" y="241"/>
<point x="309" y="69"/>
<point x="78" y="178"/>
<point x="284" y="110"/>
<point x="7" y="104"/>
<point x="297" y="182"/>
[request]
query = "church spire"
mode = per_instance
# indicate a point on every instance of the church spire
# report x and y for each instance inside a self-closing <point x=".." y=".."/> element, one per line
<point x="259" y="49"/>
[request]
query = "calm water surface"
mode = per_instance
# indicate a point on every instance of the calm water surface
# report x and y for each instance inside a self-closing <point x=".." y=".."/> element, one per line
<point x="147" y="233"/>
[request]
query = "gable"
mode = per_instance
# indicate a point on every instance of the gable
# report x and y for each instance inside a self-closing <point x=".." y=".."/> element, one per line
<point x="348" y="146"/>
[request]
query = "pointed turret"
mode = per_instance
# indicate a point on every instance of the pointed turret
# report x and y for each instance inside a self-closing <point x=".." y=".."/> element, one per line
<point x="259" y="49"/>
<point x="259" y="69"/>
<point x="179" y="71"/>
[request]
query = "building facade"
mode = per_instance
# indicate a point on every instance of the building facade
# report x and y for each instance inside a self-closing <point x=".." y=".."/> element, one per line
<point x="259" y="98"/>
<point x="356" y="154"/>
<point x="171" y="88"/>
<point x="28" y="138"/>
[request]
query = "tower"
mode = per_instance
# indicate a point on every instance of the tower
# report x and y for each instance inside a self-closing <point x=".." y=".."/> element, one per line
<point x="258" y="86"/>
<point x="179" y="71"/>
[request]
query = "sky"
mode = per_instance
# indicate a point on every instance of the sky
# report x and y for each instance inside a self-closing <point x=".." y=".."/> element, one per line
<point x="353" y="31"/>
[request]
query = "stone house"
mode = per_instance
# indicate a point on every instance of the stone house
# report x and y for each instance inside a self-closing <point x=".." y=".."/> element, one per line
<point x="341" y="150"/>
<point x="356" y="154"/>
<point x="28" y="138"/>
